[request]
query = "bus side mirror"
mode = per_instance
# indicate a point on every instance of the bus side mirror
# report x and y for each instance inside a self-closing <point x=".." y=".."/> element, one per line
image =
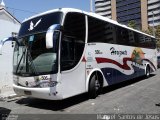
<point x="49" y="39"/>
<point x="2" y="42"/>
<point x="50" y="33"/>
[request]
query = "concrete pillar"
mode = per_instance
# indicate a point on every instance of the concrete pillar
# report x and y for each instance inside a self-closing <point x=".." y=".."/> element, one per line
<point x="113" y="10"/>
<point x="144" y="15"/>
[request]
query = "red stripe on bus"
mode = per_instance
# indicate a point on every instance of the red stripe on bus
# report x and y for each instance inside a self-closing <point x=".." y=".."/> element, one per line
<point x="124" y="66"/>
<point x="84" y="59"/>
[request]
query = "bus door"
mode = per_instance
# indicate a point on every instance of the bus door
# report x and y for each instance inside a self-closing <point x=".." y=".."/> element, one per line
<point x="72" y="51"/>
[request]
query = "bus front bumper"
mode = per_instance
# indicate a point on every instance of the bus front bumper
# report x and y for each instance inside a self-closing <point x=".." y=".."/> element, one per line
<point x="41" y="93"/>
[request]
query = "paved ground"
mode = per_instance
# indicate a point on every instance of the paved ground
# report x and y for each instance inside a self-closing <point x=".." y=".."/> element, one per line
<point x="140" y="96"/>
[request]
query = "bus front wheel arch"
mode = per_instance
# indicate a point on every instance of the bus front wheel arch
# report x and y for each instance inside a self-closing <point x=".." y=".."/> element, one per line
<point x="95" y="85"/>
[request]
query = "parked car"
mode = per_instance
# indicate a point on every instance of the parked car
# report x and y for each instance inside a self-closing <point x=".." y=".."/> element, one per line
<point x="158" y="61"/>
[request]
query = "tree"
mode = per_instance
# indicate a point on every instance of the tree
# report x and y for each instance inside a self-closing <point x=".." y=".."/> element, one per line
<point x="158" y="36"/>
<point x="149" y="31"/>
<point x="132" y="24"/>
<point x="158" y="31"/>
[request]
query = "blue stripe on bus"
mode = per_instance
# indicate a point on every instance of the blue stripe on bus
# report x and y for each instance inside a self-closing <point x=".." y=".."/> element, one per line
<point x="114" y="76"/>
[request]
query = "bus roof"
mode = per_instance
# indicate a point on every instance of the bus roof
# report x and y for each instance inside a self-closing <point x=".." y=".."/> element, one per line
<point x="66" y="10"/>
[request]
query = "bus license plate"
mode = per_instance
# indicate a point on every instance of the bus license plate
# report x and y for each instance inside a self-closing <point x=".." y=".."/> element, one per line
<point x="27" y="93"/>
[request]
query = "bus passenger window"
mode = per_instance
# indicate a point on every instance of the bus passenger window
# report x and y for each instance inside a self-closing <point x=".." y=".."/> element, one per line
<point x="100" y="31"/>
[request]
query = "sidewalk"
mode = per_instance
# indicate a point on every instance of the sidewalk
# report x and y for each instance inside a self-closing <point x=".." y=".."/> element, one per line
<point x="7" y="95"/>
<point x="7" y="92"/>
<point x="6" y="85"/>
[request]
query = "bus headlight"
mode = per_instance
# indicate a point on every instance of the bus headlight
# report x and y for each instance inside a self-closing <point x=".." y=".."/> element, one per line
<point x="15" y="80"/>
<point x="53" y="83"/>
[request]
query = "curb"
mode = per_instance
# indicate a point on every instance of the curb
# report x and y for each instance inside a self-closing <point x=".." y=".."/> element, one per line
<point x="12" y="96"/>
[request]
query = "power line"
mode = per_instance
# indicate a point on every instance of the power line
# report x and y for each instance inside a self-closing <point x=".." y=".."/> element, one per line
<point x="27" y="11"/>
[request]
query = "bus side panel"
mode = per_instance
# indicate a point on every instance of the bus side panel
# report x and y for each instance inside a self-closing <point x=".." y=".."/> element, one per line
<point x="119" y="63"/>
<point x="134" y="61"/>
<point x="97" y="56"/>
<point x="150" y="58"/>
<point x="115" y="62"/>
<point x="73" y="81"/>
<point x="91" y="64"/>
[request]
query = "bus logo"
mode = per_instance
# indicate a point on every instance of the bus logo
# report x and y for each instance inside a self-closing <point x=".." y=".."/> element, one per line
<point x="138" y="55"/>
<point x="32" y="26"/>
<point x="117" y="52"/>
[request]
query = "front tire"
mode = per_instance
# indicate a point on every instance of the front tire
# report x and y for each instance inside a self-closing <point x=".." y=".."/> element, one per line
<point x="94" y="87"/>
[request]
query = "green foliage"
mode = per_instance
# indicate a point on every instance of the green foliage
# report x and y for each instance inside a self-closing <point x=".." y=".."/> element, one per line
<point x="158" y="36"/>
<point x="157" y="33"/>
<point x="149" y="31"/>
<point x="132" y="24"/>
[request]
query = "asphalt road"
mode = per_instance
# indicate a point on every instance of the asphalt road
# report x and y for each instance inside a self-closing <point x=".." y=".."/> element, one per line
<point x="138" y="96"/>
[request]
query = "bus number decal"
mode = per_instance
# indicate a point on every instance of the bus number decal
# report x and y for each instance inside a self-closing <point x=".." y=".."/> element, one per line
<point x="43" y="78"/>
<point x="98" y="52"/>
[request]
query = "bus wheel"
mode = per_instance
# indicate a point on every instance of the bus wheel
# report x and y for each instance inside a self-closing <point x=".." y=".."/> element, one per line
<point x="94" y="87"/>
<point x="147" y="74"/>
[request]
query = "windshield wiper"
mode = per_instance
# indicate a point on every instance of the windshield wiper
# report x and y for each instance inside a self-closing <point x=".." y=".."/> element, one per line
<point x="20" y="62"/>
<point x="31" y="61"/>
<point x="32" y="66"/>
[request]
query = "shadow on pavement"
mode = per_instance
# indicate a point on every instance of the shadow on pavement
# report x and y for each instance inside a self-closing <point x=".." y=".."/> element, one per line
<point x="63" y="104"/>
<point x="124" y="84"/>
<point x="158" y="105"/>
<point x="53" y="105"/>
<point x="4" y="113"/>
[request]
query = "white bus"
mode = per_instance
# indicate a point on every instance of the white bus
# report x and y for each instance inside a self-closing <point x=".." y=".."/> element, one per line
<point x="65" y="52"/>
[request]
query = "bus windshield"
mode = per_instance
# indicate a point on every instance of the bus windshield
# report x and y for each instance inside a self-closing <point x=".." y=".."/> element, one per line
<point x="40" y="23"/>
<point x="31" y="57"/>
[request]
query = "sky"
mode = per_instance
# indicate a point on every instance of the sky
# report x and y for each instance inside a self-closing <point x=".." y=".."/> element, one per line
<point x="22" y="9"/>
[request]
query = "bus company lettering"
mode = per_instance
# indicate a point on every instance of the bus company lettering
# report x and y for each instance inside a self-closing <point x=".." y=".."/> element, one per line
<point x="117" y="52"/>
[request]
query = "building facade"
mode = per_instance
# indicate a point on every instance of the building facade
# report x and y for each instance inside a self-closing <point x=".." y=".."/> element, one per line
<point x="128" y="10"/>
<point x="153" y="12"/>
<point x="144" y="12"/>
<point x="8" y="25"/>
<point x="105" y="8"/>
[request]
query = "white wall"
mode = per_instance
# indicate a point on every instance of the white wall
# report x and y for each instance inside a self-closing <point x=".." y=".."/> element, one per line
<point x="6" y="28"/>
<point x="6" y="67"/>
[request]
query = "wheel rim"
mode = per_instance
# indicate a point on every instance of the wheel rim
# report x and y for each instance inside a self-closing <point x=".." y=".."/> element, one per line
<point x="147" y="72"/>
<point x="97" y="85"/>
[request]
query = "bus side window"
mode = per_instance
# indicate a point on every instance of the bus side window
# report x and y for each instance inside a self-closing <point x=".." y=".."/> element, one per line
<point x="122" y="36"/>
<point x="73" y="40"/>
<point x="100" y="31"/>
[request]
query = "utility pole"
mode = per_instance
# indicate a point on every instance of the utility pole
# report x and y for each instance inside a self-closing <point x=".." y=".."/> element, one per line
<point x="153" y="24"/>
<point x="91" y="6"/>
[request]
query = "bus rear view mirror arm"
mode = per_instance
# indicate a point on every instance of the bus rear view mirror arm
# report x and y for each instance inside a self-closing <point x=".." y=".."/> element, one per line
<point x="2" y="42"/>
